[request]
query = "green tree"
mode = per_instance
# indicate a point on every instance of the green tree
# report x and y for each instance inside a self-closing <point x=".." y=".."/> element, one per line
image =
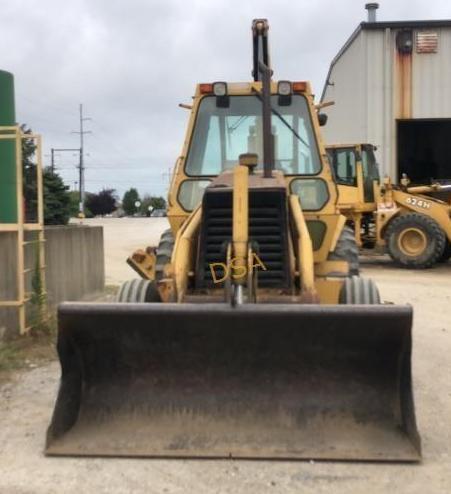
<point x="56" y="196"/>
<point x="153" y="202"/>
<point x="74" y="201"/>
<point x="129" y="200"/>
<point x="30" y="189"/>
<point x="102" y="203"/>
<point x="57" y="207"/>
<point x="74" y="204"/>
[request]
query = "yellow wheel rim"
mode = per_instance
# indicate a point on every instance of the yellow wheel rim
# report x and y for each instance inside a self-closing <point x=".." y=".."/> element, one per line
<point x="412" y="242"/>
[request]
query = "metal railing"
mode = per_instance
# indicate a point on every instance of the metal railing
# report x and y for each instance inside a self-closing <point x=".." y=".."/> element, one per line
<point x="21" y="227"/>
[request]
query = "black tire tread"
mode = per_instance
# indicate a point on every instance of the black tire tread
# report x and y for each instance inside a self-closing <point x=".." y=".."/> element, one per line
<point x="446" y="253"/>
<point x="358" y="291"/>
<point x="138" y="291"/>
<point x="433" y="232"/>
<point x="347" y="250"/>
<point x="164" y="252"/>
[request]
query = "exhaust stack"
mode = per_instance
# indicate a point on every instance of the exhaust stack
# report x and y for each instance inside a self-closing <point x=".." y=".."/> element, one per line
<point x="372" y="8"/>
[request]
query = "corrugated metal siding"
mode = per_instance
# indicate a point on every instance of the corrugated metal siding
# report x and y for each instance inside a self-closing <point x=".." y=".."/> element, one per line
<point x="367" y="94"/>
<point x="355" y="117"/>
<point x="349" y="112"/>
<point x="374" y="86"/>
<point x="431" y="80"/>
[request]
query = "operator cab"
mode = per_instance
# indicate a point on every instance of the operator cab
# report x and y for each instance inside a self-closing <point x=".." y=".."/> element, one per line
<point x="275" y="122"/>
<point x="345" y="159"/>
<point x="230" y="124"/>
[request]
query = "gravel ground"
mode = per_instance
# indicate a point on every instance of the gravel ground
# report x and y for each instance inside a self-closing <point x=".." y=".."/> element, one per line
<point x="26" y="403"/>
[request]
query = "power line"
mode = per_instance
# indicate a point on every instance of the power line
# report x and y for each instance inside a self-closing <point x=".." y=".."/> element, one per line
<point x="52" y="159"/>
<point x="126" y="181"/>
<point x="166" y="176"/>
<point x="106" y="138"/>
<point x="119" y="168"/>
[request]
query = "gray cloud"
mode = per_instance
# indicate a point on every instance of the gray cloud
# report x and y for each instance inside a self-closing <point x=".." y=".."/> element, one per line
<point x="131" y="63"/>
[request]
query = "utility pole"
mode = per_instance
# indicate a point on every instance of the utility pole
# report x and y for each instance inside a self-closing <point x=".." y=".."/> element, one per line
<point x="81" y="166"/>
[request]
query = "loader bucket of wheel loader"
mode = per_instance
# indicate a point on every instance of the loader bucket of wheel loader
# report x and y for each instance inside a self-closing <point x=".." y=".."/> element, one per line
<point x="254" y="381"/>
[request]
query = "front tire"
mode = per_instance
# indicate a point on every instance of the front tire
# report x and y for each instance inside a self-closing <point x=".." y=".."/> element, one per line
<point x="415" y="241"/>
<point x="358" y="291"/>
<point x="138" y="291"/>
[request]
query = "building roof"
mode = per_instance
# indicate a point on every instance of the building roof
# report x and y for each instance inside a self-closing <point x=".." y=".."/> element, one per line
<point x="405" y="24"/>
<point x="373" y="26"/>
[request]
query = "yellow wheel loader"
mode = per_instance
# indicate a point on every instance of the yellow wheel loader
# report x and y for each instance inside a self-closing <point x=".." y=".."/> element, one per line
<point x="249" y="333"/>
<point x="411" y="223"/>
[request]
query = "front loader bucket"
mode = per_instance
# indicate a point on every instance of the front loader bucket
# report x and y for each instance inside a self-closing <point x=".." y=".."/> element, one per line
<point x="256" y="381"/>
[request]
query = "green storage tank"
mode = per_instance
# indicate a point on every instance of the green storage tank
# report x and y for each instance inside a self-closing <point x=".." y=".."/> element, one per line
<point x="8" y="179"/>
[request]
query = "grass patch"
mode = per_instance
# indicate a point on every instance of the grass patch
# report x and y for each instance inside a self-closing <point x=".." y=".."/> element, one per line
<point x="28" y="351"/>
<point x="9" y="356"/>
<point x="39" y="345"/>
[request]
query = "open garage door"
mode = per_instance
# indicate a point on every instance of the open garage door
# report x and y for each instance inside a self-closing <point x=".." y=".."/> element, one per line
<point x="424" y="149"/>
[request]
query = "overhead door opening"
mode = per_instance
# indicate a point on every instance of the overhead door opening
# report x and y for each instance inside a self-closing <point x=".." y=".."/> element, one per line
<point x="424" y="149"/>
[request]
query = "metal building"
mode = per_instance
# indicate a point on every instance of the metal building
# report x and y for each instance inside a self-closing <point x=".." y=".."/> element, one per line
<point x="391" y="83"/>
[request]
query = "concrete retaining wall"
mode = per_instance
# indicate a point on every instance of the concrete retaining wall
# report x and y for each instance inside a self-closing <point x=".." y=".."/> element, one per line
<point x="75" y="262"/>
<point x="8" y="316"/>
<point x="75" y="267"/>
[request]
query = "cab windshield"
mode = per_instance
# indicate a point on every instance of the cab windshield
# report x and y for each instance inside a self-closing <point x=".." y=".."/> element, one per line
<point x="222" y="134"/>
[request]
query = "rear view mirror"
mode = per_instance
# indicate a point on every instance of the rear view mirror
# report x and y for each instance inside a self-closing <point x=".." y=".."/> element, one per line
<point x="322" y="119"/>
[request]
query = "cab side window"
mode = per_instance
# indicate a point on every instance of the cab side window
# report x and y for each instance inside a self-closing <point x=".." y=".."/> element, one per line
<point x="344" y="162"/>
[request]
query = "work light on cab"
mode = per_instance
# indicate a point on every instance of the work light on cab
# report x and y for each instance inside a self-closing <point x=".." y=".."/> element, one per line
<point x="220" y="88"/>
<point x="284" y="88"/>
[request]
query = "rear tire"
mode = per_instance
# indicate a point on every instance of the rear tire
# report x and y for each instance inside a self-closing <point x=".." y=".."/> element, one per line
<point x="415" y="241"/>
<point x="164" y="253"/>
<point x="357" y="291"/>
<point x="347" y="250"/>
<point x="138" y="291"/>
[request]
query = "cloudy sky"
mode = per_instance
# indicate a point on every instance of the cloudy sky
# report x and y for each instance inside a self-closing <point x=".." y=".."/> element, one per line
<point x="130" y="62"/>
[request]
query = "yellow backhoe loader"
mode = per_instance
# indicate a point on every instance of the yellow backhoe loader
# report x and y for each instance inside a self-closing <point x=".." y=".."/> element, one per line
<point x="249" y="333"/>
<point x="411" y="223"/>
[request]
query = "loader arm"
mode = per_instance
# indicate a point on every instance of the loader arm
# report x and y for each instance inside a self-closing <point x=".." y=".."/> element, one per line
<point x="240" y="228"/>
<point x="304" y="253"/>
<point x="183" y="257"/>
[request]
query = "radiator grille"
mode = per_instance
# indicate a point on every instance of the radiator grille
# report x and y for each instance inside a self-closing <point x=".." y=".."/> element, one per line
<point x="267" y="230"/>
